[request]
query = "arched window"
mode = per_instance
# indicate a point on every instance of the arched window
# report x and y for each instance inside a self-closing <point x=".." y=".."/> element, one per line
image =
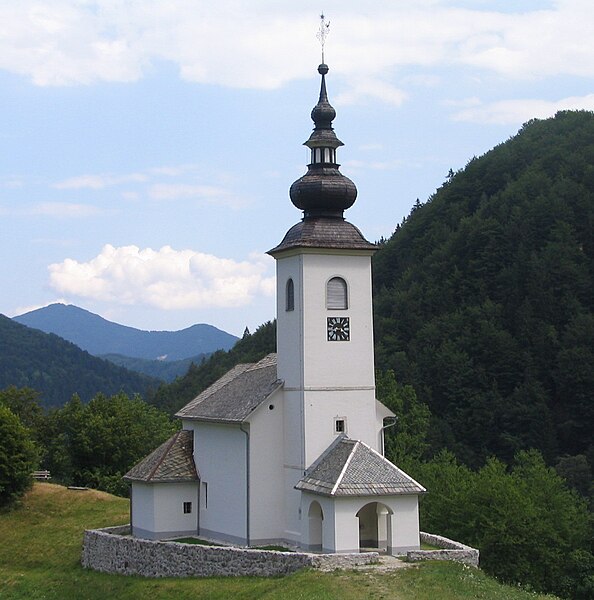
<point x="290" y="296"/>
<point x="336" y="294"/>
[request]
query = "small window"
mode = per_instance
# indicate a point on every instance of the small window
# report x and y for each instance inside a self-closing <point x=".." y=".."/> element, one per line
<point x="205" y="494"/>
<point x="336" y="294"/>
<point x="187" y="508"/>
<point x="290" y="298"/>
<point x="339" y="425"/>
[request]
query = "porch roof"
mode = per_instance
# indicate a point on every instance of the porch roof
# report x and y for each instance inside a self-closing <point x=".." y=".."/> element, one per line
<point x="171" y="462"/>
<point x="352" y="468"/>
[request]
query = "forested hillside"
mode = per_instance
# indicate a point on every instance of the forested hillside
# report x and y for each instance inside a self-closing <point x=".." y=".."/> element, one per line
<point x="166" y="370"/>
<point x="484" y="297"/>
<point x="58" y="369"/>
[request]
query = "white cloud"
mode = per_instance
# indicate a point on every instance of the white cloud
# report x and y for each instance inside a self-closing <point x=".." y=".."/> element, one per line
<point x="371" y="89"/>
<point x="167" y="279"/>
<point x="519" y="111"/>
<point x="262" y="45"/>
<point x="64" y="210"/>
<point x="205" y="193"/>
<point x="98" y="182"/>
<point x="21" y="310"/>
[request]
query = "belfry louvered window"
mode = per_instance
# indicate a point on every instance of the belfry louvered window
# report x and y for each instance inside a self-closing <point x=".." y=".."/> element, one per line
<point x="290" y="298"/>
<point x="336" y="294"/>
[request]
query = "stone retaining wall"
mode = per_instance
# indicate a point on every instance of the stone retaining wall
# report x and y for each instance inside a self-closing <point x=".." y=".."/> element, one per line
<point x="112" y="550"/>
<point x="449" y="550"/>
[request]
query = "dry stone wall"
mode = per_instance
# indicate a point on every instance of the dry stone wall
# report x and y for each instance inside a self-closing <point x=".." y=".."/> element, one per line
<point x="448" y="550"/>
<point x="113" y="550"/>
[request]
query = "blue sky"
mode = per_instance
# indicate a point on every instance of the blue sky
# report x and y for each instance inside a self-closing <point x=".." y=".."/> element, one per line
<point x="148" y="146"/>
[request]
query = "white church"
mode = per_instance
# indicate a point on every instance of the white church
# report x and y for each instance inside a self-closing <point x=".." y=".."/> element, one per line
<point x="289" y="450"/>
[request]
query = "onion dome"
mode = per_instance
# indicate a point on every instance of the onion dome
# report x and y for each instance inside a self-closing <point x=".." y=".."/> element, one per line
<point x="323" y="191"/>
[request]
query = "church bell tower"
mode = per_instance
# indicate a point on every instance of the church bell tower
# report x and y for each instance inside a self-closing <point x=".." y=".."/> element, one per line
<point x="324" y="308"/>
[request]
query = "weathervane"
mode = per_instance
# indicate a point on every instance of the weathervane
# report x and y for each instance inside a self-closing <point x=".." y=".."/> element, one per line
<point x="323" y="32"/>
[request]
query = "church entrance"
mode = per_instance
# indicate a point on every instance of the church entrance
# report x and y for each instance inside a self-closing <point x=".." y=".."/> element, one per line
<point x="375" y="527"/>
<point x="316" y="518"/>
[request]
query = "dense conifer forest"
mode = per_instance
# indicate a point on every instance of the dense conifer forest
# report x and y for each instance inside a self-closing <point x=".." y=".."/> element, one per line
<point x="484" y="298"/>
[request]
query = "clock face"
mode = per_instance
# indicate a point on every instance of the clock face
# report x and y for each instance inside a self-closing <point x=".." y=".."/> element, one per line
<point x="338" y="329"/>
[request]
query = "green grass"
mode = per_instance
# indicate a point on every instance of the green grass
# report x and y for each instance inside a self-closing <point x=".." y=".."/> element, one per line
<point x="40" y="544"/>
<point x="195" y="540"/>
<point x="426" y="546"/>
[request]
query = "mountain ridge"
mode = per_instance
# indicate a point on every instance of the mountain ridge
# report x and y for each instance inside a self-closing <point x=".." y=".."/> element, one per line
<point x="99" y="336"/>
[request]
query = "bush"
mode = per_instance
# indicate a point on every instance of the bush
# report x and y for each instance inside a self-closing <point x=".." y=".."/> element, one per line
<point x="18" y="457"/>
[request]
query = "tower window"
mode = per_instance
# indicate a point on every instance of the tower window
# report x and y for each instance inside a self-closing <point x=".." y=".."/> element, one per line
<point x="290" y="296"/>
<point x="336" y="294"/>
<point x="187" y="508"/>
<point x="339" y="425"/>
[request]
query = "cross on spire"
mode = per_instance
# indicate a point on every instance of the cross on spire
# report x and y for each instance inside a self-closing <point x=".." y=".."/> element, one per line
<point x="323" y="33"/>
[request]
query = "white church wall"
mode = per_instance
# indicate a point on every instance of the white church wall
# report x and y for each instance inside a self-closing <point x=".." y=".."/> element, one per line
<point x="337" y="364"/>
<point x="143" y="510"/>
<point x="158" y="510"/>
<point x="169" y="499"/>
<point x="293" y="451"/>
<point x="290" y="323"/>
<point x="323" y="407"/>
<point x="266" y="472"/>
<point x="220" y="457"/>
<point x="405" y="523"/>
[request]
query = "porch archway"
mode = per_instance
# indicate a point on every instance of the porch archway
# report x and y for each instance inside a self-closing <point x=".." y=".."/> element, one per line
<point x="315" y="516"/>
<point x="375" y="527"/>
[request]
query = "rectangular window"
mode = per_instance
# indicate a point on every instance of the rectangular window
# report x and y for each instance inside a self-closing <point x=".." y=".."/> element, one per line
<point x="187" y="508"/>
<point x="339" y="426"/>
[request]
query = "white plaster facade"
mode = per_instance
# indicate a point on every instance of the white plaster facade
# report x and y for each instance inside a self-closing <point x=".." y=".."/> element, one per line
<point x="158" y="510"/>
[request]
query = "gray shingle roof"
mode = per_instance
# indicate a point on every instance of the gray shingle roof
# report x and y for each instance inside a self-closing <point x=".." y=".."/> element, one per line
<point x="351" y="468"/>
<point x="234" y="396"/>
<point x="172" y="461"/>
<point x="321" y="232"/>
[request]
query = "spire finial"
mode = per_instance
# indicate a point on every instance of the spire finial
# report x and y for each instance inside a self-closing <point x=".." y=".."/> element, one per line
<point x="323" y="33"/>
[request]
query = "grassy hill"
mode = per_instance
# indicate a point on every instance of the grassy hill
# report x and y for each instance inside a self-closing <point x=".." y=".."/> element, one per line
<point x="40" y="558"/>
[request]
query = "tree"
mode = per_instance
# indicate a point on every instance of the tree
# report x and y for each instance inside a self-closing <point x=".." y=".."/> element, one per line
<point x="18" y="457"/>
<point x="406" y="440"/>
<point x="95" y="444"/>
<point x="528" y="526"/>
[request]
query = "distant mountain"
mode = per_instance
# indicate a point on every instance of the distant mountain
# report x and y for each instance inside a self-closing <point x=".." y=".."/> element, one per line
<point x="58" y="369"/>
<point x="99" y="336"/>
<point x="167" y="370"/>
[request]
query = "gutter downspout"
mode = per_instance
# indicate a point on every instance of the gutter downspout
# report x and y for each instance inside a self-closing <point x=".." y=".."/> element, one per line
<point x="247" y="483"/>
<point x="384" y="427"/>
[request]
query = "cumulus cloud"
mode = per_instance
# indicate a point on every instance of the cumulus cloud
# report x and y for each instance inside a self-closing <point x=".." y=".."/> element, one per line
<point x="519" y="111"/>
<point x="168" y="279"/>
<point x="259" y="45"/>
